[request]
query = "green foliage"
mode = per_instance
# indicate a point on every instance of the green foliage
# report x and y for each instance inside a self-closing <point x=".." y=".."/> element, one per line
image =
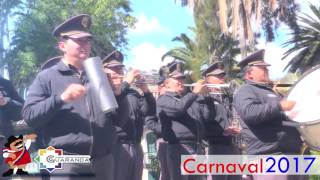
<point x="189" y="53"/>
<point x="285" y="12"/>
<point x="154" y="165"/>
<point x="266" y="15"/>
<point x="209" y="44"/>
<point x="33" y="43"/>
<point x="306" y="43"/>
<point x="207" y="24"/>
<point x="314" y="177"/>
<point x="215" y="45"/>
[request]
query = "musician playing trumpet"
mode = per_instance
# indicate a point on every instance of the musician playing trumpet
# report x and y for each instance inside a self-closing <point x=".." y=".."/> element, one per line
<point x="180" y="119"/>
<point x="128" y="118"/>
<point x="219" y="129"/>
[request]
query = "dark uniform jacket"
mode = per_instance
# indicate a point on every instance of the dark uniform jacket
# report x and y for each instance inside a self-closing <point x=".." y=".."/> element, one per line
<point x="178" y="121"/>
<point x="258" y="106"/>
<point x="129" y="118"/>
<point x="201" y="111"/>
<point x="148" y="108"/>
<point x="12" y="110"/>
<point x="217" y="123"/>
<point x="152" y="122"/>
<point x="76" y="127"/>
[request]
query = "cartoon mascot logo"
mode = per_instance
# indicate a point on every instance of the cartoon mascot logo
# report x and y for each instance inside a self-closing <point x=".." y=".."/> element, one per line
<point x="16" y="153"/>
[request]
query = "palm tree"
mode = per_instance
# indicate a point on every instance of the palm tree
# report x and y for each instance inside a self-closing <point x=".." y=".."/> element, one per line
<point x="306" y="43"/>
<point x="225" y="50"/>
<point x="189" y="53"/>
<point x="243" y="18"/>
<point x="222" y="48"/>
<point x="209" y="44"/>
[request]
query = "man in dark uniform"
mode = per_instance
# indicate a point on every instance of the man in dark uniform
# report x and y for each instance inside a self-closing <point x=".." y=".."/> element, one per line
<point x="262" y="111"/>
<point x="134" y="106"/>
<point x="62" y="107"/>
<point x="10" y="110"/>
<point x="214" y="74"/>
<point x="180" y="128"/>
<point x="153" y="123"/>
<point x="219" y="129"/>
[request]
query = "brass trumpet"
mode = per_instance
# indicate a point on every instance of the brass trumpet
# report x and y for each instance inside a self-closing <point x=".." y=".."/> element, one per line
<point x="210" y="85"/>
<point x="215" y="93"/>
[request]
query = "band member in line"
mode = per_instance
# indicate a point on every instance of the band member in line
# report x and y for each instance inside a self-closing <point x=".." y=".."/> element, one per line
<point x="134" y="106"/>
<point x="153" y="123"/>
<point x="180" y="128"/>
<point x="262" y="111"/>
<point x="65" y="112"/>
<point x="219" y="129"/>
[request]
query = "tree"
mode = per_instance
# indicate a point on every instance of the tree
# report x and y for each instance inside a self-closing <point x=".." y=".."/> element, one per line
<point x="190" y="53"/>
<point x="209" y="44"/>
<point x="218" y="46"/>
<point x="223" y="49"/>
<point x="306" y="43"/>
<point x="239" y="17"/>
<point x="33" y="43"/>
<point x="6" y="8"/>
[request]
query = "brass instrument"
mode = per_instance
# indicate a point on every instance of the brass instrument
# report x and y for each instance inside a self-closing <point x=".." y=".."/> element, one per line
<point x="282" y="88"/>
<point x="210" y="85"/>
<point x="238" y="140"/>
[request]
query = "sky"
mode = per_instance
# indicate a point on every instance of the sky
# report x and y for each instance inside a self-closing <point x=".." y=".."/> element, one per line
<point x="275" y="50"/>
<point x="158" y="22"/>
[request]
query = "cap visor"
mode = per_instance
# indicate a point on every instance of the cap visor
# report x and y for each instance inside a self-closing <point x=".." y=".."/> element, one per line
<point x="262" y="64"/>
<point x="216" y="72"/>
<point x="79" y="35"/>
<point x="178" y="76"/>
<point x="114" y="65"/>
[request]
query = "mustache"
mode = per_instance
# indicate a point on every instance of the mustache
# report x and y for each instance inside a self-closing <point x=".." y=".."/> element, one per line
<point x="18" y="143"/>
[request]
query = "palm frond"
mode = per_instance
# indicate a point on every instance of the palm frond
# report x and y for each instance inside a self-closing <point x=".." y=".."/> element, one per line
<point x="185" y="40"/>
<point x="178" y="53"/>
<point x="306" y="43"/>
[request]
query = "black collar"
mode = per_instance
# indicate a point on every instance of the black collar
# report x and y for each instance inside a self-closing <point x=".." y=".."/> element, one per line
<point x="71" y="70"/>
<point x="62" y="67"/>
<point x="171" y="93"/>
<point x="262" y="85"/>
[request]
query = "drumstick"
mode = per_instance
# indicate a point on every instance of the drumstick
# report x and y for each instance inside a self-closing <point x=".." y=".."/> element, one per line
<point x="284" y="85"/>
